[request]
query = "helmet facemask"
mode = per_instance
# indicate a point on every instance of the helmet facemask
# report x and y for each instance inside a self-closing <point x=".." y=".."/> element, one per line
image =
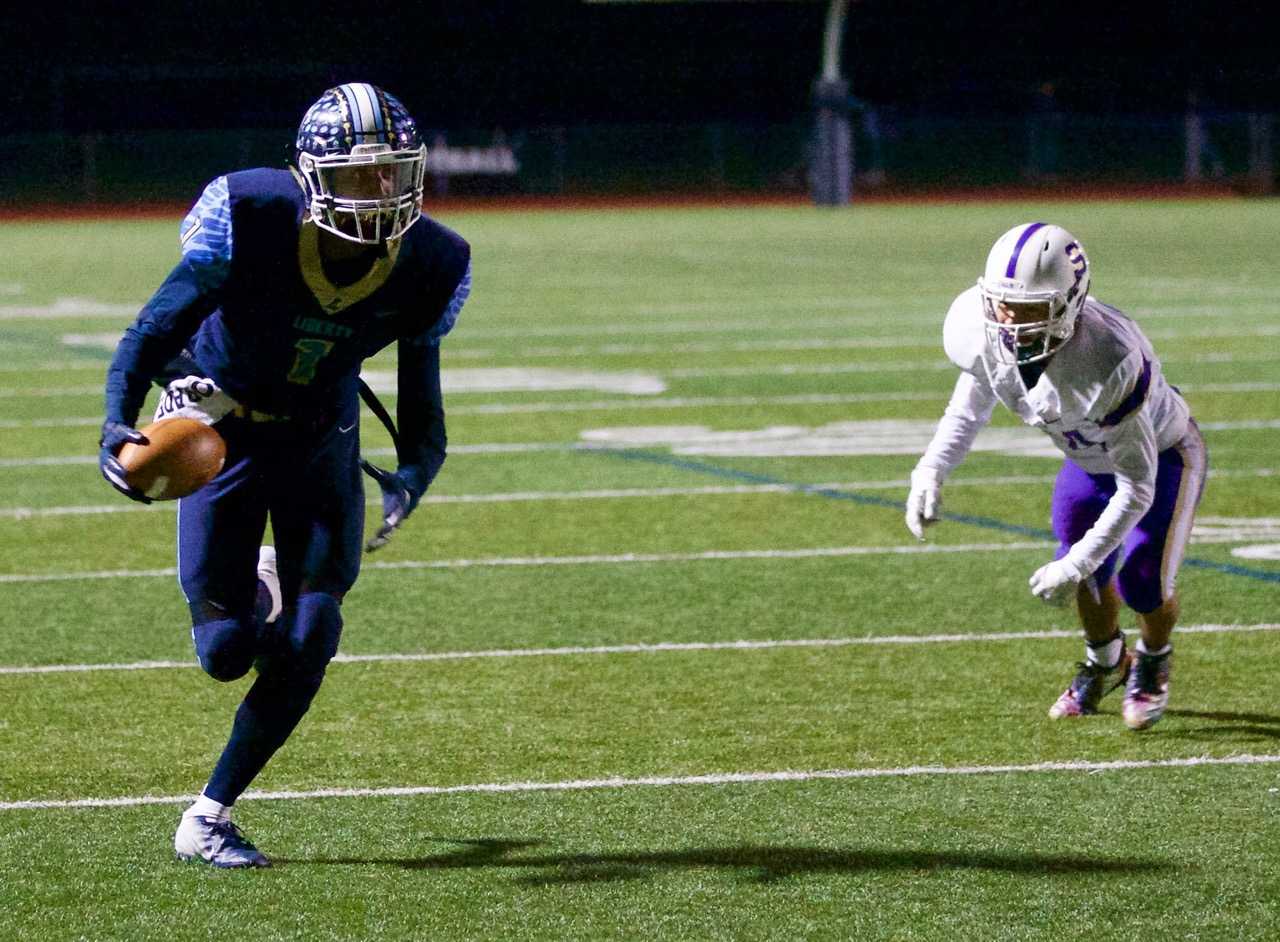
<point x="1032" y="337"/>
<point x="371" y="195"/>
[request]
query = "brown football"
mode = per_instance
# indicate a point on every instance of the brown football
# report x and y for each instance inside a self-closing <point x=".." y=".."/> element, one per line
<point x="183" y="456"/>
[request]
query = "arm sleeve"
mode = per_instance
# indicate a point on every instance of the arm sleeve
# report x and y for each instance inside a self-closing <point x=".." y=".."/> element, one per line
<point x="1130" y="438"/>
<point x="420" y="405"/>
<point x="968" y="412"/>
<point x="437" y="332"/>
<point x="420" y="415"/>
<point x="174" y="312"/>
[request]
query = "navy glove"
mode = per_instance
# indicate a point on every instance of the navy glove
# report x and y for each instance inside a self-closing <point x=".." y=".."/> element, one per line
<point x="399" y="498"/>
<point x="114" y="435"/>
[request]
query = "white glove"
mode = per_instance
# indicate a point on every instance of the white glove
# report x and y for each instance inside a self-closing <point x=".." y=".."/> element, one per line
<point x="924" y="503"/>
<point x="1055" y="582"/>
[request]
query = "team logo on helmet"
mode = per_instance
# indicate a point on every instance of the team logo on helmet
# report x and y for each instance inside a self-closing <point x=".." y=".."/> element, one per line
<point x="358" y="150"/>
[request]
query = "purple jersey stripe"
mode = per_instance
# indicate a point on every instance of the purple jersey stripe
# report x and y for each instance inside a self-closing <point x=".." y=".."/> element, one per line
<point x="1131" y="401"/>
<point x="1017" y="249"/>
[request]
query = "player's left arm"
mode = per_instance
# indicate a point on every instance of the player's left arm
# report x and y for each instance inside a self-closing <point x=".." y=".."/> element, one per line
<point x="1130" y="440"/>
<point x="423" y="442"/>
<point x="1132" y="447"/>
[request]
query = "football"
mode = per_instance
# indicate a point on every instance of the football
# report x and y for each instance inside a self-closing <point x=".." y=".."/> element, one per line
<point x="183" y="456"/>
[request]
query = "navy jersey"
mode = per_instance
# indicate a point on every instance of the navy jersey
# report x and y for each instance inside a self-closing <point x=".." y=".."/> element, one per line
<point x="253" y="308"/>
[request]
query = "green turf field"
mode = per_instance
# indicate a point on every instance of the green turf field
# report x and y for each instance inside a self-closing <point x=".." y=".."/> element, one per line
<point x="657" y="658"/>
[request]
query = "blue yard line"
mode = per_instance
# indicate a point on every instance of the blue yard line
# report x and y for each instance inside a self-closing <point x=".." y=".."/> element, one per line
<point x="986" y="523"/>
<point x="1231" y="570"/>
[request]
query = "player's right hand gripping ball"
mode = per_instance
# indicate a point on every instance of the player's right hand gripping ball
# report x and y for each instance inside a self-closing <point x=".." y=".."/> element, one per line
<point x="180" y="457"/>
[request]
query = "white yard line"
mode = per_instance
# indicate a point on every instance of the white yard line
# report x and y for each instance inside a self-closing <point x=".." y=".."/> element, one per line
<point x="593" y="560"/>
<point x="645" y="401"/>
<point x="650" y="319"/>
<point x="615" y="405"/>
<point x="714" y="778"/>
<point x="1239" y="425"/>
<point x="689" y="402"/>
<point x="649" y="322"/>
<point x="662" y="647"/>
<point x="78" y="421"/>
<point x="618" y="493"/>
<point x="99" y="367"/>
<point x="1228" y="387"/>
<point x="781" y="369"/>
<point x="929" y="339"/>
<point x="74" y="309"/>
<point x="647" y="318"/>
<point x="40" y="392"/>
<point x="638" y="402"/>
<point x="493" y="448"/>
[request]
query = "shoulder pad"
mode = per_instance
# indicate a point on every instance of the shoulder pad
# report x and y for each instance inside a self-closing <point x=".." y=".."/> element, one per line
<point x="440" y="245"/>
<point x="205" y="236"/>
<point x="963" y="335"/>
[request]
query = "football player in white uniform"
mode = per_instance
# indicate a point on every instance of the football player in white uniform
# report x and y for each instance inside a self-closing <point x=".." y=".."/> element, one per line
<point x="1029" y="335"/>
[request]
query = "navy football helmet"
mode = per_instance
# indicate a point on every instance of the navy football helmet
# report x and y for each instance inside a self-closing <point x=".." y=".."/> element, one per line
<point x="358" y="150"/>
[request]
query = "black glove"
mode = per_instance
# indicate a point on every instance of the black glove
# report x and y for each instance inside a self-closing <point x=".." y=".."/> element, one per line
<point x="399" y="499"/>
<point x="114" y="435"/>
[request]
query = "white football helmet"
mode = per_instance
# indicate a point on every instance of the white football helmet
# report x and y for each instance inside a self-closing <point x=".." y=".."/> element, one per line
<point x="1041" y="269"/>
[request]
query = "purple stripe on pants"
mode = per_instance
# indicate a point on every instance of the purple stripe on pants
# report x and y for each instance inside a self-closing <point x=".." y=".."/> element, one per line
<point x="1079" y="499"/>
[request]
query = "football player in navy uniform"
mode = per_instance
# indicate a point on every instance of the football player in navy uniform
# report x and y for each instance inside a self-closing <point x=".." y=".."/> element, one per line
<point x="289" y="279"/>
<point x="1029" y="335"/>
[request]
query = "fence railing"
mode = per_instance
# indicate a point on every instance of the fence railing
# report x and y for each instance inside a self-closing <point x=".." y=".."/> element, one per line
<point x="896" y="149"/>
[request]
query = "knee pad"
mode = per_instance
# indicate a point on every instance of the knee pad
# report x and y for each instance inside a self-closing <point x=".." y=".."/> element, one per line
<point x="312" y="638"/>
<point x="1139" y="583"/>
<point x="226" y="646"/>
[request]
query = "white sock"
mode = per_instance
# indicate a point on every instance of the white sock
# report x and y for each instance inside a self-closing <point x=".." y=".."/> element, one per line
<point x="1142" y="647"/>
<point x="206" y="807"/>
<point x="1106" y="654"/>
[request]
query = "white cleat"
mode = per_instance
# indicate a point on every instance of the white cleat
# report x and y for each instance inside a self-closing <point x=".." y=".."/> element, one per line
<point x="269" y="577"/>
<point x="215" y="842"/>
<point x="1147" y="693"/>
<point x="1091" y="683"/>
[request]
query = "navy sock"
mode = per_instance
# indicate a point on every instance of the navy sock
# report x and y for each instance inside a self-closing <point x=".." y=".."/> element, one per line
<point x="293" y="653"/>
<point x="271" y="710"/>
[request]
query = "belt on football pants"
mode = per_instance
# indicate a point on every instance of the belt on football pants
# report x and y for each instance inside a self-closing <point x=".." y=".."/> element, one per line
<point x="253" y="415"/>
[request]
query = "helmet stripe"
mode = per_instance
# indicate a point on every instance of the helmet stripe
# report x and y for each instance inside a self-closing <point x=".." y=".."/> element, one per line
<point x="375" y="106"/>
<point x="366" y="118"/>
<point x="1017" y="249"/>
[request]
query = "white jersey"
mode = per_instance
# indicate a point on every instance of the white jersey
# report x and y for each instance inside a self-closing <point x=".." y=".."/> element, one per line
<point x="1102" y="398"/>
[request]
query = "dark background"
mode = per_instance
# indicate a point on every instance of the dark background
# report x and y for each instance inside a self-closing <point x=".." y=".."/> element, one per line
<point x="85" y="67"/>
<point x="136" y="103"/>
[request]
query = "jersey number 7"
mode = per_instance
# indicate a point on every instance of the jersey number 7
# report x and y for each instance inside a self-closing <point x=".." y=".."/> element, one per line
<point x="310" y="353"/>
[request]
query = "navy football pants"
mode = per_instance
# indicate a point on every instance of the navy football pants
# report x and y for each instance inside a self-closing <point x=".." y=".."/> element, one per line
<point x="308" y="483"/>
